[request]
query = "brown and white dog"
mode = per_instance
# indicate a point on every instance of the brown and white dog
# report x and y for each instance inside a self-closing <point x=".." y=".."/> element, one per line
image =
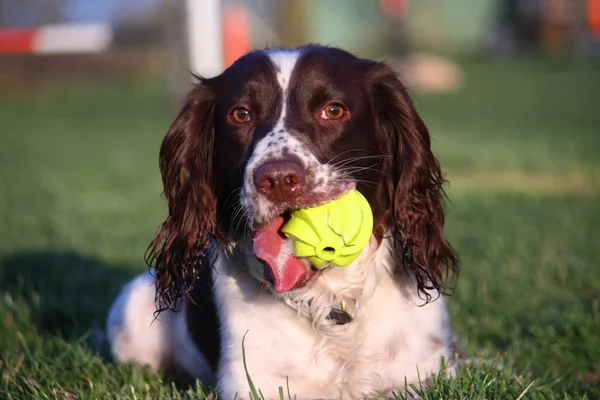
<point x="280" y="130"/>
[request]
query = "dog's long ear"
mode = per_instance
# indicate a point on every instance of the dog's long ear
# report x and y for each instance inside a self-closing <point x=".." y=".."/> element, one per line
<point x="412" y="190"/>
<point x="186" y="163"/>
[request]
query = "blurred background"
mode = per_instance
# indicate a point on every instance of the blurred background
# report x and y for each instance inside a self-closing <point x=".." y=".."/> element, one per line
<point x="152" y="38"/>
<point x="510" y="90"/>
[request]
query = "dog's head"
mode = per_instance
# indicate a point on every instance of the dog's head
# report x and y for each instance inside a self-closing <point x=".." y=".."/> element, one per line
<point x="286" y="129"/>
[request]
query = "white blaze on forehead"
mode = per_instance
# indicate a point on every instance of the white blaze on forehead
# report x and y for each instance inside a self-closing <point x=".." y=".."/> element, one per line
<point x="284" y="62"/>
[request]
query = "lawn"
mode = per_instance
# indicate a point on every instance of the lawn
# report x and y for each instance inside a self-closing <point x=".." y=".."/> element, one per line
<point x="520" y="143"/>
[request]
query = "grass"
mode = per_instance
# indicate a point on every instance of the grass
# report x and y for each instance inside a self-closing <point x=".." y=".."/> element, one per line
<point x="79" y="202"/>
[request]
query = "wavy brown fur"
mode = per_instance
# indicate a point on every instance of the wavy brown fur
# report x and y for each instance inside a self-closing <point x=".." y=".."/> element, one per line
<point x="186" y="158"/>
<point x="412" y="191"/>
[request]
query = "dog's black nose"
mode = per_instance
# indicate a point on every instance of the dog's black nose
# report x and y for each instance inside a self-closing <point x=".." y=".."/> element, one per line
<point x="280" y="180"/>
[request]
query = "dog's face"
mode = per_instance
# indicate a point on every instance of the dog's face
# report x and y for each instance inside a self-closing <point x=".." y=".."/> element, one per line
<point x="287" y="129"/>
<point x="294" y="129"/>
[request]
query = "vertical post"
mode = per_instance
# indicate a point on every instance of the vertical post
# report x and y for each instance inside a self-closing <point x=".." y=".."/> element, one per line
<point x="205" y="41"/>
<point x="593" y="17"/>
<point x="291" y="20"/>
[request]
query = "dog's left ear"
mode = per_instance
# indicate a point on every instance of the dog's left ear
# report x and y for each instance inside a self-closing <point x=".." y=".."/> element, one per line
<point x="412" y="184"/>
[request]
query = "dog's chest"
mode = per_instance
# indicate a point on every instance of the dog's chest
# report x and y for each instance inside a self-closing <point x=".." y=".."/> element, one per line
<point x="272" y="337"/>
<point x="385" y="342"/>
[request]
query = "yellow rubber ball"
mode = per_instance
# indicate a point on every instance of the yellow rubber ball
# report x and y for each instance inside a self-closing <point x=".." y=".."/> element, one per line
<point x="332" y="233"/>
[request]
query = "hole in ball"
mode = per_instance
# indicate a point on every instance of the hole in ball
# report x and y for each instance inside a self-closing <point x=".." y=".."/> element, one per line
<point x="329" y="250"/>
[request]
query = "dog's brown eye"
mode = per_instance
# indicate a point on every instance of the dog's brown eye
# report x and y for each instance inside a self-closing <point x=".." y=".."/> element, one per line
<point x="333" y="111"/>
<point x="241" y="115"/>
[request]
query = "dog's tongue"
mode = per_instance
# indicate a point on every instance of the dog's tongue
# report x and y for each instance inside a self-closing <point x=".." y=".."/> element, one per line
<point x="271" y="247"/>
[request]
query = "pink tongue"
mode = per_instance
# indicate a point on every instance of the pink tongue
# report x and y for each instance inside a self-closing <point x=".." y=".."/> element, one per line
<point x="271" y="247"/>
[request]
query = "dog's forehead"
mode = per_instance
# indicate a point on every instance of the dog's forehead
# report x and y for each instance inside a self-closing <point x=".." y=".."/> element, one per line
<point x="286" y="70"/>
<point x="254" y="72"/>
<point x="298" y="68"/>
<point x="284" y="63"/>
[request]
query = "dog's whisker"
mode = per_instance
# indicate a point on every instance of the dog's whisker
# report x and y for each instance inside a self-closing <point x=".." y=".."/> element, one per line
<point x="239" y="219"/>
<point x="358" y="158"/>
<point x="353" y="170"/>
<point x="343" y="153"/>
<point x="370" y="183"/>
<point x="238" y="212"/>
<point x="233" y="204"/>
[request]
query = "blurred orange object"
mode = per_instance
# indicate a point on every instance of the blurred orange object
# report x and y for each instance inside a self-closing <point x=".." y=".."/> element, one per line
<point x="17" y="40"/>
<point x="593" y="12"/>
<point x="553" y="24"/>
<point x="395" y="9"/>
<point x="236" y="33"/>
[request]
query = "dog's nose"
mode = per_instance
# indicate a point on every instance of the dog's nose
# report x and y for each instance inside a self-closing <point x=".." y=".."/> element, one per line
<point x="280" y="180"/>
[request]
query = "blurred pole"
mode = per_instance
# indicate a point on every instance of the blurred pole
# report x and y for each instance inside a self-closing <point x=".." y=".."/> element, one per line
<point x="553" y="25"/>
<point x="292" y="22"/>
<point x="178" y="77"/>
<point x="395" y="15"/>
<point x="236" y="33"/>
<point x="205" y="40"/>
<point x="593" y="12"/>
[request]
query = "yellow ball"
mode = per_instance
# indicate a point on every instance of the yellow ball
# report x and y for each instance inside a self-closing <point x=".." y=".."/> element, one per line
<point x="332" y="233"/>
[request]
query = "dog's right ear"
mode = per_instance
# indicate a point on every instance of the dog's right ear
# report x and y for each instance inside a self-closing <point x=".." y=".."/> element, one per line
<point x="186" y="164"/>
<point x="412" y="185"/>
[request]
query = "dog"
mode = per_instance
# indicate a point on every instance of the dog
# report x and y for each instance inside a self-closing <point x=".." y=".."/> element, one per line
<point x="280" y="130"/>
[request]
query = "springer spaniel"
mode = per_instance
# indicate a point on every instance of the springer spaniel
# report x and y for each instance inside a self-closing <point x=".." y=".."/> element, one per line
<point x="281" y="130"/>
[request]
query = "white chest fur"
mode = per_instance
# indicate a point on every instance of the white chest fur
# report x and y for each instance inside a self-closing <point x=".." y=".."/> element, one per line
<point x="391" y="337"/>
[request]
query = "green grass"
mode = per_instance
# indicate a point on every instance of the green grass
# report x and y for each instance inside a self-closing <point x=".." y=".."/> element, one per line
<point x="79" y="202"/>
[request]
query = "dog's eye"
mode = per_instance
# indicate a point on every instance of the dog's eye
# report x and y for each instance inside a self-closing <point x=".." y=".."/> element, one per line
<point x="333" y="111"/>
<point x="241" y="115"/>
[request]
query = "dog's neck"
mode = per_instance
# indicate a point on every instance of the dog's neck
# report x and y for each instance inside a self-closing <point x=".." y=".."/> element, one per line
<point x="334" y="298"/>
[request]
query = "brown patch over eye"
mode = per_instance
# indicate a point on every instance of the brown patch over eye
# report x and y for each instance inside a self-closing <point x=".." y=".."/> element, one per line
<point x="333" y="112"/>
<point x="241" y="115"/>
